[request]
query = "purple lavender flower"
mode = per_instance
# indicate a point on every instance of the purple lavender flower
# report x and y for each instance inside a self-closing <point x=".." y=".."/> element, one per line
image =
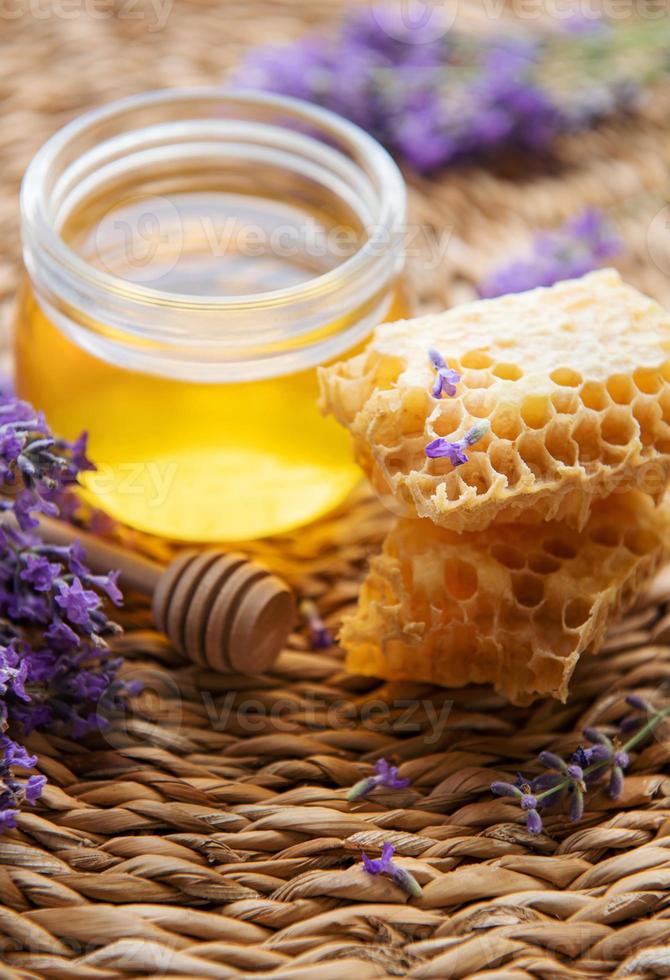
<point x="55" y="669"/>
<point x="320" y="636"/>
<point x="34" y="788"/>
<point x="77" y="602"/>
<point x="533" y="819"/>
<point x="527" y="801"/>
<point x="439" y="101"/>
<point x="619" y="763"/>
<point x="40" y="572"/>
<point x="446" y="378"/>
<point x="386" y="866"/>
<point x="386" y="775"/>
<point x="455" y="452"/>
<point x="582" y="244"/>
<point x="13" y="792"/>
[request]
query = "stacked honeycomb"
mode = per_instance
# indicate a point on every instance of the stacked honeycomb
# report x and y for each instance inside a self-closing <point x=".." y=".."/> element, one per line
<point x="513" y="606"/>
<point x="504" y="569"/>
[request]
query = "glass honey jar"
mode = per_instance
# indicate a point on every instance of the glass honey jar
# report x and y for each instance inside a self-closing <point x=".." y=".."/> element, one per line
<point x="191" y="257"/>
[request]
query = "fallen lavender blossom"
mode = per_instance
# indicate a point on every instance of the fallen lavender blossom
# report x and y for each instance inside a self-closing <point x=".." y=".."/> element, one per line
<point x="385" y="775"/>
<point x="386" y="866"/>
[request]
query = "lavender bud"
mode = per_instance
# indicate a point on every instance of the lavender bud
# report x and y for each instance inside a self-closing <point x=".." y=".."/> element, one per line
<point x="615" y="788"/>
<point x="407" y="881"/>
<point x="534" y="822"/>
<point x="576" y="774"/>
<point x="596" y="737"/>
<point x="639" y="703"/>
<point x="576" y="803"/>
<point x="477" y="432"/>
<point x="505" y="789"/>
<point x="601" y="753"/>
<point x="361" y="789"/>
<point x="552" y="761"/>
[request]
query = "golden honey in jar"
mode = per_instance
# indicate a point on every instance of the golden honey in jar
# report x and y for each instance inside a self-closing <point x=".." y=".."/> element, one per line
<point x="192" y="257"/>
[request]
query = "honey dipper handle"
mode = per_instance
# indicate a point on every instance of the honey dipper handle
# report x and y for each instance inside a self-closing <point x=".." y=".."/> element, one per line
<point x="138" y="573"/>
<point x="222" y="611"/>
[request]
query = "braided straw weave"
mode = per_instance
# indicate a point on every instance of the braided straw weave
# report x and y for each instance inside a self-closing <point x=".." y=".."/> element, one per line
<point x="207" y="834"/>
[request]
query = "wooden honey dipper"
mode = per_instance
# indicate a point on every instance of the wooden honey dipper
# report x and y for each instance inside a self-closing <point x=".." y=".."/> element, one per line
<point x="221" y="610"/>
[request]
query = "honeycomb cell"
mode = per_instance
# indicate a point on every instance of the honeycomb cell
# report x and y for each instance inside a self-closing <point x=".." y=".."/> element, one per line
<point x="449" y="419"/>
<point x="594" y="395"/>
<point x="565" y="401"/>
<point x="510" y="557"/>
<point x="505" y="422"/>
<point x="576" y="613"/>
<point x="510" y="615"/>
<point x="478" y="404"/>
<point x="586" y="434"/>
<point x="592" y="353"/>
<point x="639" y="540"/>
<point x="566" y="377"/>
<point x="618" y="426"/>
<point x="476" y="359"/>
<point x="606" y="535"/>
<point x="505" y="460"/>
<point x="648" y="380"/>
<point x="621" y="389"/>
<point x="648" y="416"/>
<point x="560" y="444"/>
<point x="533" y="452"/>
<point x="528" y="590"/>
<point x="543" y="564"/>
<point x="507" y="372"/>
<point x="559" y="548"/>
<point x="460" y="579"/>
<point x="536" y="410"/>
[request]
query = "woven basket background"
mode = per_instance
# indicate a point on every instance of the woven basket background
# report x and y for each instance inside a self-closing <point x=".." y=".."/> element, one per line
<point x="207" y="835"/>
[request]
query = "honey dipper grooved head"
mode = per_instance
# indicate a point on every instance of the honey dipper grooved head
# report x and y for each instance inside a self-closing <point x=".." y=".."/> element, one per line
<point x="224" y="611"/>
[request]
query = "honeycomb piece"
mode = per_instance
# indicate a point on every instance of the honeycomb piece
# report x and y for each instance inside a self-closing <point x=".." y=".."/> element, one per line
<point x="514" y="606"/>
<point x="574" y="380"/>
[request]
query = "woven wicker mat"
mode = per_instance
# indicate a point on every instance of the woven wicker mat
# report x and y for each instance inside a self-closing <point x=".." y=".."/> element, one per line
<point x="208" y="834"/>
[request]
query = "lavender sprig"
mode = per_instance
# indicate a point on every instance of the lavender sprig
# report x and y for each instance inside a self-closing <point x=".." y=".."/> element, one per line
<point x="455" y="452"/>
<point x="14" y="792"/>
<point x="582" y="244"/>
<point x="55" y="668"/>
<point x="385" y="775"/>
<point x="386" y="866"/>
<point x="436" y="101"/>
<point x="586" y="767"/>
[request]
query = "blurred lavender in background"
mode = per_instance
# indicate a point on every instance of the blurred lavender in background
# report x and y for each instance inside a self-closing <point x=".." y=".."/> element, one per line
<point x="434" y="102"/>
<point x="582" y="244"/>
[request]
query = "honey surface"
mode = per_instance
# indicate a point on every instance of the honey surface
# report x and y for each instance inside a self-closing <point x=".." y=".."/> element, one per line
<point x="189" y="460"/>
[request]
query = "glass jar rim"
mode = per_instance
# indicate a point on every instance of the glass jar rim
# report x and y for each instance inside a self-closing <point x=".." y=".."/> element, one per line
<point x="248" y="336"/>
<point x="388" y="224"/>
